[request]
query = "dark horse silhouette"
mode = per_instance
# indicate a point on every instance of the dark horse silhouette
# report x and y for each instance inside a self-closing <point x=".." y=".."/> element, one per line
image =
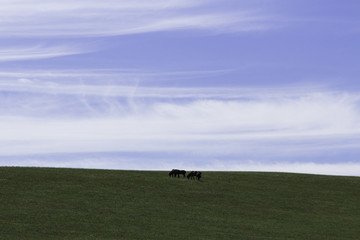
<point x="177" y="172"/>
<point x="194" y="174"/>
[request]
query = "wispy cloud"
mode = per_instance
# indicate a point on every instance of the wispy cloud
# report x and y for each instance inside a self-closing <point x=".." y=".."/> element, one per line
<point x="98" y="76"/>
<point x="16" y="53"/>
<point x="125" y="82"/>
<point x="35" y="18"/>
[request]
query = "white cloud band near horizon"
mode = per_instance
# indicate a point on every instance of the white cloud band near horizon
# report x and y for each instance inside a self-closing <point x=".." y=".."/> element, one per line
<point x="287" y="124"/>
<point x="337" y="169"/>
<point x="54" y="113"/>
<point x="317" y="122"/>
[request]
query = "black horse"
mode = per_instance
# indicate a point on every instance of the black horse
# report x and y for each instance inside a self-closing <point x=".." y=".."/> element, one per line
<point x="198" y="176"/>
<point x="177" y="172"/>
<point x="194" y="174"/>
<point x="172" y="172"/>
<point x="191" y="175"/>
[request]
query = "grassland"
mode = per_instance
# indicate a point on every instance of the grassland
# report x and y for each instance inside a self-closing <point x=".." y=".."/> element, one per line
<point x="41" y="203"/>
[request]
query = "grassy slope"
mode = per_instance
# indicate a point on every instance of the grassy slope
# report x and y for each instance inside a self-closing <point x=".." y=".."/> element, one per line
<point x="38" y="203"/>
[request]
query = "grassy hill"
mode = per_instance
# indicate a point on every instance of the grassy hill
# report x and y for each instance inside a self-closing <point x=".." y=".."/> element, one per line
<point x="41" y="203"/>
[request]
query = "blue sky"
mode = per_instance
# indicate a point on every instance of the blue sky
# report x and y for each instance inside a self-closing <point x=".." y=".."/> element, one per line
<point x="260" y="85"/>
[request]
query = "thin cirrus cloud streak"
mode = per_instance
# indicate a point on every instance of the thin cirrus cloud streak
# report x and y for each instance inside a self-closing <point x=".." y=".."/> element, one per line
<point x="40" y="52"/>
<point x="125" y="83"/>
<point x="91" y="18"/>
<point x="49" y="87"/>
<point x="99" y="76"/>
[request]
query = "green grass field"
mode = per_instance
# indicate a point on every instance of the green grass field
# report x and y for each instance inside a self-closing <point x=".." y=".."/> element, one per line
<point x="42" y="203"/>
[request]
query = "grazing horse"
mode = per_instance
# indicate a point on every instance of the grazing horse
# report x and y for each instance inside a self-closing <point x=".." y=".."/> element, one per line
<point x="182" y="172"/>
<point x="177" y="172"/>
<point x="194" y="174"/>
<point x="172" y="172"/>
<point x="198" y="176"/>
<point x="191" y="175"/>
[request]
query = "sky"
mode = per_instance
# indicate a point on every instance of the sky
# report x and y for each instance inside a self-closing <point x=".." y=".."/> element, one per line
<point x="230" y="85"/>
